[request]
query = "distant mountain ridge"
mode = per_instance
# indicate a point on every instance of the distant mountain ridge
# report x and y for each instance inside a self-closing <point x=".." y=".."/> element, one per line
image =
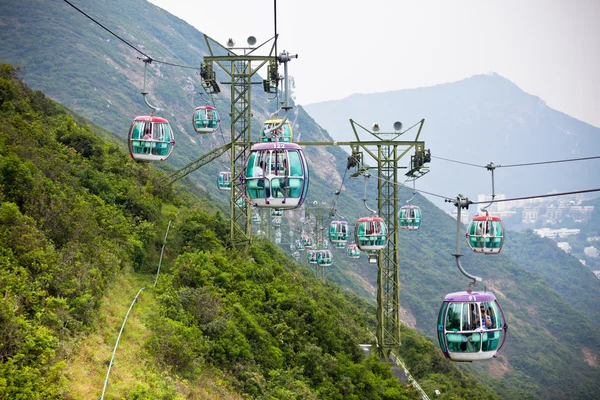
<point x="478" y="120"/>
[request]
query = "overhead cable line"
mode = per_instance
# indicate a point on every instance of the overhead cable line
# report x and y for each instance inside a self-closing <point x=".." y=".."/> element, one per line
<point x="550" y="162"/>
<point x="539" y="196"/>
<point x="150" y="59"/>
<point x="522" y="164"/>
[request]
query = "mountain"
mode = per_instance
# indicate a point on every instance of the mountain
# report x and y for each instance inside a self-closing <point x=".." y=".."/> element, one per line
<point x="88" y="70"/>
<point x="475" y="121"/>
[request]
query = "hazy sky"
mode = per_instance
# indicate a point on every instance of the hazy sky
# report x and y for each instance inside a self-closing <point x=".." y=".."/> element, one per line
<point x="549" y="48"/>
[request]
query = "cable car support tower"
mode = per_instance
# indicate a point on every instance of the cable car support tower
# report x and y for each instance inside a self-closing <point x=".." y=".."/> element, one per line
<point x="240" y="68"/>
<point x="389" y="151"/>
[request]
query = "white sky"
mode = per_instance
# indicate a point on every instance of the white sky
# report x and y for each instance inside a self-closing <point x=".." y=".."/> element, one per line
<point x="549" y="48"/>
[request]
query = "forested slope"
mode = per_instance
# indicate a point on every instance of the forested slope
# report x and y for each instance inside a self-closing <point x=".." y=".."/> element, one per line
<point x="77" y="213"/>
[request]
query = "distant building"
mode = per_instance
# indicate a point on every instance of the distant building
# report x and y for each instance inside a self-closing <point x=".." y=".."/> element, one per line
<point x="530" y="215"/>
<point x="564" y="246"/>
<point x="593" y="239"/>
<point x="591" y="252"/>
<point x="554" y="233"/>
<point x="464" y="216"/>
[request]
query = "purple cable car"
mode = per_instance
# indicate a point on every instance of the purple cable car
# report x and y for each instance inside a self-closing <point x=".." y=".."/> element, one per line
<point x="276" y="175"/>
<point x="471" y="326"/>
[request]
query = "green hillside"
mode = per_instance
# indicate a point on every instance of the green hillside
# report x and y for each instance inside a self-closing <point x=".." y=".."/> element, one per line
<point x="74" y="61"/>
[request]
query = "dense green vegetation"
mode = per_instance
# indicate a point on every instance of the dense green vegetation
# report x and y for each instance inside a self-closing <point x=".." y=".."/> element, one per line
<point x="76" y="212"/>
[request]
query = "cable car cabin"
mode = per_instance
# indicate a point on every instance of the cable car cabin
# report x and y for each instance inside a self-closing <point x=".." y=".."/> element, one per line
<point x="296" y="255"/>
<point x="311" y="255"/>
<point x="410" y="217"/>
<point x="471" y="326"/>
<point x="206" y="119"/>
<point x="256" y="217"/>
<point x="325" y="244"/>
<point x="338" y="232"/>
<point x="299" y="245"/>
<point x="370" y="233"/>
<point x="224" y="180"/>
<point x="277" y="240"/>
<point x="485" y="234"/>
<point x="281" y="134"/>
<point x="150" y="139"/>
<point x="324" y="258"/>
<point x="276" y="175"/>
<point x="353" y="251"/>
<point x="277" y="234"/>
<point x="307" y="241"/>
<point x="292" y="247"/>
<point x="276" y="213"/>
<point x="276" y="221"/>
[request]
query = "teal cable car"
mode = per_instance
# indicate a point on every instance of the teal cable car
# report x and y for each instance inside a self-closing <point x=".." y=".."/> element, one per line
<point x="206" y="119"/>
<point x="353" y="251"/>
<point x="409" y="217"/>
<point x="371" y="233"/>
<point x="150" y="139"/>
<point x="485" y="234"/>
<point x="324" y="258"/>
<point x="276" y="176"/>
<point x="224" y="180"/>
<point x="282" y="134"/>
<point x="338" y="232"/>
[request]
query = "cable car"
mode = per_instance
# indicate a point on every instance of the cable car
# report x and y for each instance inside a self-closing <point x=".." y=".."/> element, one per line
<point x="277" y="233"/>
<point x="150" y="139"/>
<point x="338" y="232"/>
<point x="276" y="221"/>
<point x="353" y="251"/>
<point x="296" y="255"/>
<point x="206" y="119"/>
<point x="276" y="213"/>
<point x="410" y="217"/>
<point x="485" y="234"/>
<point x="281" y="134"/>
<point x="292" y="247"/>
<point x="307" y="241"/>
<point x="255" y="217"/>
<point x="276" y="175"/>
<point x="471" y="326"/>
<point x="224" y="180"/>
<point x="370" y="233"/>
<point x="311" y="255"/>
<point x="325" y="243"/>
<point x="277" y="240"/>
<point x="324" y="258"/>
<point x="299" y="245"/>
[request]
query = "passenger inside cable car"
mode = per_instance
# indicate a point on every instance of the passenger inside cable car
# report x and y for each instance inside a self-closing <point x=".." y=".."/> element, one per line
<point x="206" y="119"/>
<point x="410" y="217"/>
<point x="282" y="134"/>
<point x="276" y="175"/>
<point x="485" y="234"/>
<point x="150" y="139"/>
<point x="471" y="326"/>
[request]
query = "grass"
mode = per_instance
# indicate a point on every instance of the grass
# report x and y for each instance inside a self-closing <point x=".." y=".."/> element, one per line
<point x="134" y="374"/>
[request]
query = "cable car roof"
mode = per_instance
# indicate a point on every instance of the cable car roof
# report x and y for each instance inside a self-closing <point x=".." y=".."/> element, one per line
<point x="150" y="118"/>
<point x="277" y="146"/>
<point x="486" y="218"/>
<point x="467" y="297"/>
<point x="205" y="108"/>
<point x="370" y="219"/>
